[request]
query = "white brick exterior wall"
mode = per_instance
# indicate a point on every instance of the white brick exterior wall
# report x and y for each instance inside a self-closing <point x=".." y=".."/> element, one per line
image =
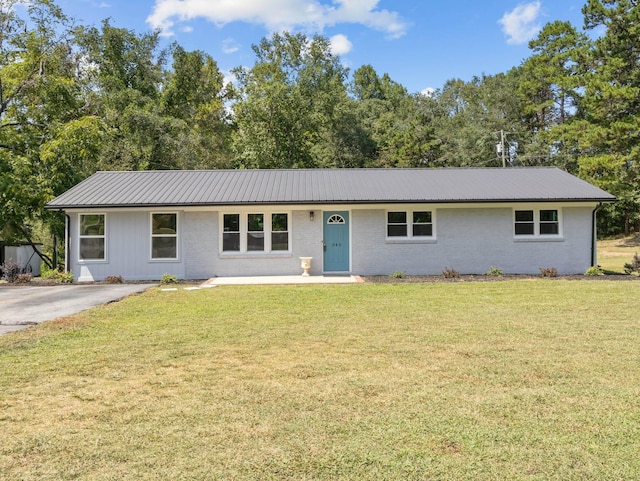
<point x="470" y="240"/>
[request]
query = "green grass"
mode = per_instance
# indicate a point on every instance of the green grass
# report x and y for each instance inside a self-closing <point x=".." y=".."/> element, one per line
<point x="613" y="254"/>
<point x="520" y="380"/>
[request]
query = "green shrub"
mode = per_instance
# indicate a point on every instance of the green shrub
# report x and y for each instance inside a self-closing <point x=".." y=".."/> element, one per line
<point x="168" y="279"/>
<point x="593" y="271"/>
<point x="494" y="271"/>
<point x="548" y="272"/>
<point x="65" y="277"/>
<point x="634" y="266"/>
<point x="56" y="275"/>
<point x="450" y="273"/>
<point x="399" y="275"/>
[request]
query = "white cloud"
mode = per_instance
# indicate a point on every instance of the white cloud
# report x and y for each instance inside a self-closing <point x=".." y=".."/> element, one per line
<point x="520" y="25"/>
<point x="278" y="15"/>
<point x="340" y="44"/>
<point x="228" y="77"/>
<point x="428" y="92"/>
<point x="186" y="29"/>
<point x="229" y="46"/>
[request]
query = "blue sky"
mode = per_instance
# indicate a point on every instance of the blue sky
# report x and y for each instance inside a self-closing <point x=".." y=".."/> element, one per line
<point x="419" y="43"/>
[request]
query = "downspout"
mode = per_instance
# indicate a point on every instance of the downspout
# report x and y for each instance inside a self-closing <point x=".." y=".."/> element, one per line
<point x="67" y="224"/>
<point x="594" y="261"/>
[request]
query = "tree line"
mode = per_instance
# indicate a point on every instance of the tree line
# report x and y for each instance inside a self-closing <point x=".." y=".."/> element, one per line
<point x="75" y="99"/>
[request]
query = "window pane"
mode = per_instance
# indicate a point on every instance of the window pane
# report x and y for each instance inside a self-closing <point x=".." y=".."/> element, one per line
<point x="422" y="217"/>
<point x="548" y="216"/>
<point x="230" y="241"/>
<point x="422" y="230"/>
<point x="164" y="247"/>
<point x="92" y="248"/>
<point x="279" y="223"/>
<point x="549" y="228"/>
<point x="232" y="222"/>
<point x="524" y="216"/>
<point x="164" y="223"/>
<point x="397" y="217"/>
<point x="397" y="230"/>
<point x="255" y="222"/>
<point x="524" y="229"/>
<point x="92" y="224"/>
<point x="279" y="241"/>
<point x="255" y="241"/>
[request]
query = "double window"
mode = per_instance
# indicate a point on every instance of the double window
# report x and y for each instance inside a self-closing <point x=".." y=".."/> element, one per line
<point x="92" y="239"/>
<point x="255" y="233"/>
<point x="410" y="224"/>
<point x="534" y="222"/>
<point x="164" y="236"/>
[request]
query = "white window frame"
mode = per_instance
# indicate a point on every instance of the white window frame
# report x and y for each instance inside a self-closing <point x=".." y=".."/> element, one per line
<point x="288" y="232"/>
<point x="536" y="224"/>
<point x="244" y="233"/>
<point x="410" y="237"/>
<point x="102" y="236"/>
<point x="263" y="231"/>
<point x="222" y="232"/>
<point x="152" y="236"/>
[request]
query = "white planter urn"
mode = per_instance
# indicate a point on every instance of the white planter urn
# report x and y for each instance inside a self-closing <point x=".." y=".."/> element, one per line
<point x="305" y="263"/>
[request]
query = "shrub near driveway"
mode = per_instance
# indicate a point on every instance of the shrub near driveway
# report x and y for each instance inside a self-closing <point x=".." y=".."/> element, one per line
<point x="516" y="380"/>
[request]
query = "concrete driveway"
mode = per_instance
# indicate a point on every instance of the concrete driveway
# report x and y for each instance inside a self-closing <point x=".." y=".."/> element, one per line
<point x="22" y="306"/>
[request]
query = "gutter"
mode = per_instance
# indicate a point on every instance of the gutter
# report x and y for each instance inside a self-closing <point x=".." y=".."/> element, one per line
<point x="324" y="202"/>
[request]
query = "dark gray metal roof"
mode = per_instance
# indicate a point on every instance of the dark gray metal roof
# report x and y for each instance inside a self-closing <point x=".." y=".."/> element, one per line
<point x="325" y="186"/>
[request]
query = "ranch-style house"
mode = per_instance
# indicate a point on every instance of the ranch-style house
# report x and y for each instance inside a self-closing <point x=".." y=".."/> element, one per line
<point x="200" y="224"/>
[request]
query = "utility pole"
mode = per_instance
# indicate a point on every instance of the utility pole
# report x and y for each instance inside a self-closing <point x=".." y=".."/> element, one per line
<point x="500" y="148"/>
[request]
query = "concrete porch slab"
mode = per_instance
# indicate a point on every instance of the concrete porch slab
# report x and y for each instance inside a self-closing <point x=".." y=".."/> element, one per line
<point x="266" y="280"/>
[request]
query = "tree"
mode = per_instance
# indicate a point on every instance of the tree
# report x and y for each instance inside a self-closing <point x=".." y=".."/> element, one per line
<point x="548" y="87"/>
<point x="610" y="125"/>
<point x="288" y="104"/>
<point x="122" y="77"/>
<point x="194" y="93"/>
<point x="472" y="116"/>
<point x="38" y="94"/>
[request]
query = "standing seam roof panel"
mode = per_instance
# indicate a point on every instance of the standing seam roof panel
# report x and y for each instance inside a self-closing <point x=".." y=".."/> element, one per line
<point x="172" y="188"/>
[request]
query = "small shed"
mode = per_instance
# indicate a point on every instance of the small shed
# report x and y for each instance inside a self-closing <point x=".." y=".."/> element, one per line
<point x="23" y="254"/>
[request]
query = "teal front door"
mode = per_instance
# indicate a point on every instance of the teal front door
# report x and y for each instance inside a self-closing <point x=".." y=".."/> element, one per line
<point x="336" y="241"/>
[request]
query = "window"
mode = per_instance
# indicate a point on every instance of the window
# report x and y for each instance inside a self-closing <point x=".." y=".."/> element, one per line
<point x="421" y="224"/>
<point x="544" y="222"/>
<point x="549" y="224"/>
<point x="255" y="233"/>
<point x="279" y="232"/>
<point x="92" y="237"/>
<point x="397" y="224"/>
<point x="164" y="235"/>
<point x="524" y="222"/>
<point x="335" y="219"/>
<point x="231" y="233"/>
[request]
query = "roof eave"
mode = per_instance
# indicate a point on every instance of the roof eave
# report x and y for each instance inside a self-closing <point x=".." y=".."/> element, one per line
<point x="62" y="207"/>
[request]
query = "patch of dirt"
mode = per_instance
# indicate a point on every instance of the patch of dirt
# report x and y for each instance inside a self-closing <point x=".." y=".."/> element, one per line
<point x="631" y="241"/>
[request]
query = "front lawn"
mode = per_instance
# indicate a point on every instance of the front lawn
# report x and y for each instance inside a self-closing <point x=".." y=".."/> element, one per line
<point x="522" y="380"/>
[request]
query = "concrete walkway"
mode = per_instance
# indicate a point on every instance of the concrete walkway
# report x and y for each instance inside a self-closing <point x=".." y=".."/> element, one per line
<point x="264" y="280"/>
